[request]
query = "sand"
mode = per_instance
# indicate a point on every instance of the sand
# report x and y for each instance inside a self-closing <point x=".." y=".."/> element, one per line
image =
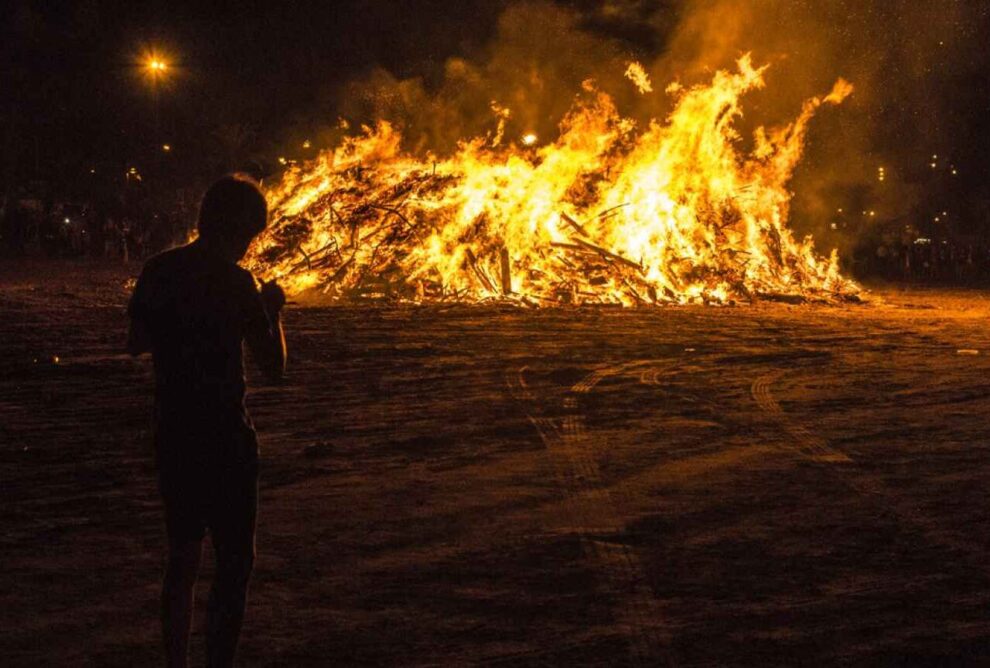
<point x="761" y="485"/>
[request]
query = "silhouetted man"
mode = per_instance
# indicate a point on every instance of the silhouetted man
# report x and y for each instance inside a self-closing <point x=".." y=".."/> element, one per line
<point x="192" y="308"/>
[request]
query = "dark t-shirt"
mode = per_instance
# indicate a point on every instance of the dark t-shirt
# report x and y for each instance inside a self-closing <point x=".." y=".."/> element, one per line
<point x="197" y="309"/>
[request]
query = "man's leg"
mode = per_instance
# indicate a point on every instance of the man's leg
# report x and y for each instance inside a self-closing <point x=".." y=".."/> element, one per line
<point x="233" y="541"/>
<point x="177" y="600"/>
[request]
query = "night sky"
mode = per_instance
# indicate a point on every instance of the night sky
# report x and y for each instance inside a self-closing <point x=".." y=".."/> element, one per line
<point x="255" y="82"/>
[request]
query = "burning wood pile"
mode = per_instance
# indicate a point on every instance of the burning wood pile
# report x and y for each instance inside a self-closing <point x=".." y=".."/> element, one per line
<point x="609" y="213"/>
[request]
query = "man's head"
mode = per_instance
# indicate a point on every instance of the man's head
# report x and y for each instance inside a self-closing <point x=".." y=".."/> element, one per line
<point x="232" y="213"/>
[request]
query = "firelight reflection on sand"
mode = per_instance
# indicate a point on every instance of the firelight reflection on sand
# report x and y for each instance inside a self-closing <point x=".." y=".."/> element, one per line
<point x="607" y="213"/>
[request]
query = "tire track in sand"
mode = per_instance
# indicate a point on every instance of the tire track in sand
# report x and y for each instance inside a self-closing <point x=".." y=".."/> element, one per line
<point x="888" y="502"/>
<point x="593" y="512"/>
<point x="808" y="444"/>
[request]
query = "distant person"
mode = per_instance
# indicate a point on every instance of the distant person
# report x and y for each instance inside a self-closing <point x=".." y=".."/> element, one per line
<point x="192" y="308"/>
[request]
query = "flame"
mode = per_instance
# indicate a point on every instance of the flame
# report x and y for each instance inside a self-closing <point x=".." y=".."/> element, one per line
<point x="639" y="77"/>
<point x="607" y="213"/>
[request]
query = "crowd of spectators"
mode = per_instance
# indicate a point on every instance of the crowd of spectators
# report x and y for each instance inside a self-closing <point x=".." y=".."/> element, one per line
<point x="926" y="260"/>
<point x="82" y="230"/>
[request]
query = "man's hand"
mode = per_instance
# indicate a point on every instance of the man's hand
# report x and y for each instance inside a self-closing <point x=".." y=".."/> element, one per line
<point x="264" y="333"/>
<point x="272" y="297"/>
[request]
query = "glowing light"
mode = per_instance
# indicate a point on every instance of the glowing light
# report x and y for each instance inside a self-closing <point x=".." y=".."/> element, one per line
<point x="529" y="139"/>
<point x="307" y="144"/>
<point x="156" y="65"/>
<point x="281" y="160"/>
<point x="166" y="147"/>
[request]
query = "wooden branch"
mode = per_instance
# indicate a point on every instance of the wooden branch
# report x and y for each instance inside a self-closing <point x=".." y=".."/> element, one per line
<point x="573" y="223"/>
<point x="393" y="211"/>
<point x="473" y="261"/>
<point x="609" y="254"/>
<point x="610" y="210"/>
<point x="503" y="257"/>
<point x="341" y="270"/>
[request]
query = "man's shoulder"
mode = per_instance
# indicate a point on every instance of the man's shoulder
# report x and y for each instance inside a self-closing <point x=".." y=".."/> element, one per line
<point x="167" y="259"/>
<point x="242" y="273"/>
<point x="238" y="278"/>
<point x="189" y="261"/>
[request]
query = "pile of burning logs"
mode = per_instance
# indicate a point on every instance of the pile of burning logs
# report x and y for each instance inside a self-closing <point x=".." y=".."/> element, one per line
<point x="359" y="241"/>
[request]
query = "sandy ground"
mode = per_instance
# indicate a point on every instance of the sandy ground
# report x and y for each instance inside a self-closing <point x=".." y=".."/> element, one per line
<point x="765" y="485"/>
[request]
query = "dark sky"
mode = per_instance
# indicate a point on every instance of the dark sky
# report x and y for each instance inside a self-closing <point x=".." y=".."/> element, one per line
<point x="255" y="78"/>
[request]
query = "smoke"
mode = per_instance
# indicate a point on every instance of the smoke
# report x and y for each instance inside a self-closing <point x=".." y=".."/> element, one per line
<point x="533" y="67"/>
<point x="908" y="62"/>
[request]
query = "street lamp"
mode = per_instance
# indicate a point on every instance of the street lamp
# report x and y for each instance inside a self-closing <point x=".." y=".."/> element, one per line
<point x="156" y="66"/>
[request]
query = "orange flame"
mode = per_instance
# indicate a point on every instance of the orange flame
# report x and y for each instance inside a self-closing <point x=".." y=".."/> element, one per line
<point x="607" y="213"/>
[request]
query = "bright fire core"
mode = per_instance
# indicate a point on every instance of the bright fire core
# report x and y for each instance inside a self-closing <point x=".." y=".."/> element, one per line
<point x="608" y="213"/>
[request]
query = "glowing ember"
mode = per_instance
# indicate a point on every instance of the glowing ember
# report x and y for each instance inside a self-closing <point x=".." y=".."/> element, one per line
<point x="607" y="213"/>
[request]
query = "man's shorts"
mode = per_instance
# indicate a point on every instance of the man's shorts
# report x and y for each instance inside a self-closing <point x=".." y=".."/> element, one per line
<point x="209" y="485"/>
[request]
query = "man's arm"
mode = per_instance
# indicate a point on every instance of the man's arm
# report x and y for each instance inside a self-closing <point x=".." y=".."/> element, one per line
<point x="265" y="336"/>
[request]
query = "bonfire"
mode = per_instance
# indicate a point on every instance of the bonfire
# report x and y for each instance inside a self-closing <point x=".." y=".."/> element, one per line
<point x="608" y="213"/>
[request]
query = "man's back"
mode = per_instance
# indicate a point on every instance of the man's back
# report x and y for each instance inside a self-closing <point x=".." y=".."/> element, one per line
<point x="197" y="309"/>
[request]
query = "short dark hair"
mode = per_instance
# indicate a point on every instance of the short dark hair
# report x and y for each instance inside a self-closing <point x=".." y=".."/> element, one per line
<point x="232" y="207"/>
